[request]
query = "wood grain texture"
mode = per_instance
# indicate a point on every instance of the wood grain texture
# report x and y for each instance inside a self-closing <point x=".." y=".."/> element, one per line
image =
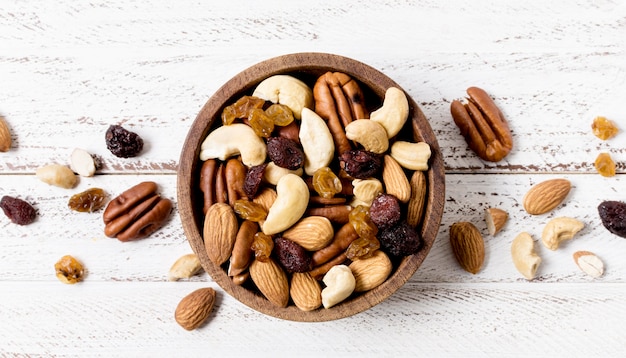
<point x="70" y="69"/>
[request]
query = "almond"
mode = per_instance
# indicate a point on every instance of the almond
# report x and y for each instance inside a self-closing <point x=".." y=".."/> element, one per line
<point x="415" y="207"/>
<point x="271" y="280"/>
<point x="589" y="263"/>
<point x="371" y="271"/>
<point x="305" y="291"/>
<point x="545" y="196"/>
<point x="495" y="219"/>
<point x="312" y="232"/>
<point x="5" y="136"/>
<point x="219" y="232"/>
<point x="195" y="308"/>
<point x="396" y="182"/>
<point x="468" y="246"/>
<point x="185" y="267"/>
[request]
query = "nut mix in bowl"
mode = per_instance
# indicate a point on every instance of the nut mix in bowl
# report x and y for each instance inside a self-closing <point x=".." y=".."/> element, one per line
<point x="311" y="187"/>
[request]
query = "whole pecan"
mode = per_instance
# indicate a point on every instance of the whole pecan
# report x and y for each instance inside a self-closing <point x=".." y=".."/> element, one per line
<point x="482" y="124"/>
<point x="339" y="100"/>
<point x="136" y="213"/>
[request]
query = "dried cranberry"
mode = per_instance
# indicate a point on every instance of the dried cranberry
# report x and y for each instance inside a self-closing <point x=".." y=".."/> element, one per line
<point x="361" y="164"/>
<point x="285" y="152"/>
<point x="385" y="211"/>
<point x="253" y="179"/>
<point x="613" y="216"/>
<point x="400" y="240"/>
<point x="293" y="257"/>
<point x="123" y="143"/>
<point x="17" y="210"/>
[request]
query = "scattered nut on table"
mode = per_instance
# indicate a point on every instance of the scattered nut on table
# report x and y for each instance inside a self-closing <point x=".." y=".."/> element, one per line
<point x="57" y="175"/>
<point x="136" y="213"/>
<point x="558" y="230"/>
<point x="525" y="258"/>
<point x="483" y="125"/>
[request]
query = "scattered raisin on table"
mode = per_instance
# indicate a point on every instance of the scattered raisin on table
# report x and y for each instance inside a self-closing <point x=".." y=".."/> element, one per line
<point x="69" y="270"/>
<point x="605" y="165"/>
<point x="88" y="201"/>
<point x="293" y="257"/>
<point x="361" y="164"/>
<point x="604" y="128"/>
<point x="400" y="240"/>
<point x="285" y="153"/>
<point x="123" y="143"/>
<point x="17" y="210"/>
<point x="613" y="216"/>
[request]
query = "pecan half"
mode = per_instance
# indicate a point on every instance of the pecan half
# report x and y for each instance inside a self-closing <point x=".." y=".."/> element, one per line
<point x="136" y="213"/>
<point x="339" y="100"/>
<point x="482" y="124"/>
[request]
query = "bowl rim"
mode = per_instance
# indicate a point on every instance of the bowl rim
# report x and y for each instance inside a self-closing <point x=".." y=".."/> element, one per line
<point x="243" y="82"/>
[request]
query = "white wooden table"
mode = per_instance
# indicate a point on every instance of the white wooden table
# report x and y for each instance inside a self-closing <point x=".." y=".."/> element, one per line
<point x="69" y="69"/>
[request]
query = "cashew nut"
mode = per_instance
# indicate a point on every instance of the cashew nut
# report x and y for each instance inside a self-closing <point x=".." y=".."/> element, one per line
<point x="370" y="134"/>
<point x="560" y="229"/>
<point x="365" y="190"/>
<point x="524" y="256"/>
<point x="340" y="284"/>
<point x="273" y="173"/>
<point x="317" y="142"/>
<point x="234" y="139"/>
<point x="292" y="198"/>
<point x="287" y="90"/>
<point x="394" y="112"/>
<point x="413" y="156"/>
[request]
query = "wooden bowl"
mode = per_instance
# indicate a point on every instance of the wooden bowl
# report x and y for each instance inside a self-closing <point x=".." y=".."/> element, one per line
<point x="307" y="67"/>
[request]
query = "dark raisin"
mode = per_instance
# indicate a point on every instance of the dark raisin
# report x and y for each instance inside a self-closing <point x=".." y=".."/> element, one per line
<point x="17" y="210"/>
<point x="400" y="240"/>
<point x="385" y="211"/>
<point x="123" y="143"/>
<point x="293" y="257"/>
<point x="253" y="180"/>
<point x="613" y="216"/>
<point x="285" y="152"/>
<point x="361" y="164"/>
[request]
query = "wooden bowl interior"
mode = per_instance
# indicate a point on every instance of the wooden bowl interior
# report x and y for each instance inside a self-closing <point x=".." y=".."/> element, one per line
<point x="307" y="67"/>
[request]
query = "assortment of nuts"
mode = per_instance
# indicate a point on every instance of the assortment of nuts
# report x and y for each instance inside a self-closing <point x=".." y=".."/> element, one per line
<point x="310" y="196"/>
<point x="308" y="193"/>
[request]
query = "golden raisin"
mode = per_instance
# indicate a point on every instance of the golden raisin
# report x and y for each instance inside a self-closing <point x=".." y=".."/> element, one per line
<point x="262" y="124"/>
<point x="363" y="247"/>
<point x="280" y="114"/>
<point x="241" y="109"/>
<point x="604" y="128"/>
<point x="88" y="201"/>
<point x="326" y="183"/>
<point x="262" y="245"/>
<point x="69" y="270"/>
<point x="605" y="165"/>
<point x="249" y="210"/>
<point x="360" y="219"/>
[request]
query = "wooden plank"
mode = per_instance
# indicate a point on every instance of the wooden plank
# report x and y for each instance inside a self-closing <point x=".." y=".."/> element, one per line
<point x="59" y="231"/>
<point x="121" y="318"/>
